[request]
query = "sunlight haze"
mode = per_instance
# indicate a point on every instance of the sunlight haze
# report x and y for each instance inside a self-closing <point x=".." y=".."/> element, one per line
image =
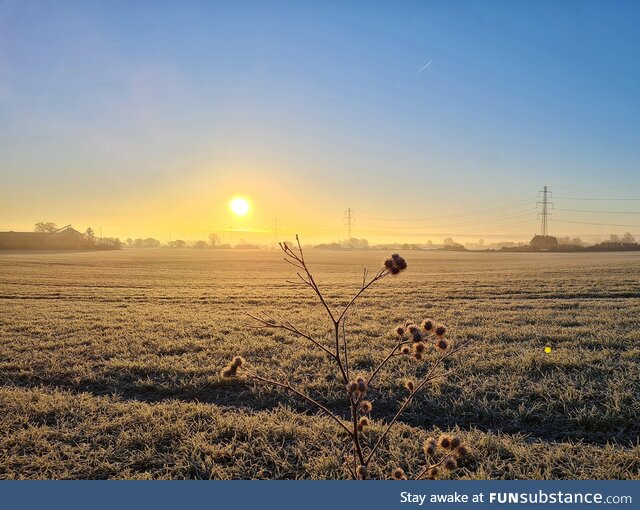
<point x="432" y="120"/>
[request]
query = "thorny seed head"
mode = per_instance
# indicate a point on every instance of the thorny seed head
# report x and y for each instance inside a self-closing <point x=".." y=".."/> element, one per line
<point x="400" y="331"/>
<point x="237" y="362"/>
<point x="427" y="325"/>
<point x="228" y="371"/>
<point x="406" y="350"/>
<point x="462" y="451"/>
<point x="362" y="472"/>
<point x="419" y="347"/>
<point x="434" y="471"/>
<point x="409" y="385"/>
<point x="429" y="447"/>
<point x="362" y="385"/>
<point x="417" y="335"/>
<point x="351" y="387"/>
<point x="455" y="442"/>
<point x="399" y="261"/>
<point x="395" y="264"/>
<point x="418" y="356"/>
<point x="441" y="330"/>
<point x="444" y="442"/>
<point x="366" y="407"/>
<point x="362" y="423"/>
<point x="413" y="329"/>
<point x="442" y="344"/>
<point x="450" y="464"/>
<point x="398" y="474"/>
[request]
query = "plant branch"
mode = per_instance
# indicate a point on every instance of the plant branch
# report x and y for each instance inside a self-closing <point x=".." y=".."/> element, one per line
<point x="429" y="377"/>
<point x="429" y="468"/>
<point x="384" y="361"/>
<point x="269" y="322"/>
<point x="287" y="386"/>
<point x="379" y="275"/>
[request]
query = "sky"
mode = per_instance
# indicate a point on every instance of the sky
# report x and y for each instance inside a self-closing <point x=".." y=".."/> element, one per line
<point x="428" y="119"/>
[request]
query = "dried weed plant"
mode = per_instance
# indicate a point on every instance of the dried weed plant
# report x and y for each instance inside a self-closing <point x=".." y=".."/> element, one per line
<point x="442" y="455"/>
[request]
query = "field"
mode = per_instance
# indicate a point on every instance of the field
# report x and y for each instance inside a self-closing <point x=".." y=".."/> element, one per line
<point x="109" y="363"/>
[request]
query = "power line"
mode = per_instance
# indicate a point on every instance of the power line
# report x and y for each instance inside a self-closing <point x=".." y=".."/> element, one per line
<point x="509" y="205"/>
<point x="600" y="198"/>
<point x="602" y="224"/>
<point x="500" y="218"/>
<point x="599" y="211"/>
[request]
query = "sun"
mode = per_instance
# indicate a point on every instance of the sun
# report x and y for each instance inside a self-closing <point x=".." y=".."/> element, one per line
<point x="239" y="206"/>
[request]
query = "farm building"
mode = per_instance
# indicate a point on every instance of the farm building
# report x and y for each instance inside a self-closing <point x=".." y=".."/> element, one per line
<point x="66" y="238"/>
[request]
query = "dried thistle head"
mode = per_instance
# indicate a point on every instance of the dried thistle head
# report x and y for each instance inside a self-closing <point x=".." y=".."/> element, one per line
<point x="365" y="407"/>
<point x="231" y="370"/>
<point x="442" y="344"/>
<point x="405" y="350"/>
<point x="444" y="441"/>
<point x="398" y="474"/>
<point x="462" y="451"/>
<point x="455" y="442"/>
<point x="450" y="464"/>
<point x="352" y="387"/>
<point x="441" y="330"/>
<point x="430" y="445"/>
<point x="228" y="371"/>
<point x="362" y="385"/>
<point x="395" y="264"/>
<point x="419" y="347"/>
<point x="399" y="261"/>
<point x="409" y="385"/>
<point x="362" y="423"/>
<point x="418" y="356"/>
<point x="400" y="331"/>
<point x="427" y="325"/>
<point x="434" y="471"/>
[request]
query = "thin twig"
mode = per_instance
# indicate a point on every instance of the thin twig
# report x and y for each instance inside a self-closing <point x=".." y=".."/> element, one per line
<point x="309" y="399"/>
<point x="381" y="274"/>
<point x="291" y="328"/>
<point x="426" y="379"/>
<point x="429" y="468"/>
<point x="384" y="361"/>
<point x="356" y="437"/>
<point x="346" y="351"/>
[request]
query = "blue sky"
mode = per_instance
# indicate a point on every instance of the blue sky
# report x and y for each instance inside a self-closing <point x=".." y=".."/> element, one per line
<point x="145" y="117"/>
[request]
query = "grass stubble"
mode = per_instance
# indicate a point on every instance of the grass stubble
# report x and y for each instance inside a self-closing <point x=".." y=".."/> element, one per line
<point x="110" y="362"/>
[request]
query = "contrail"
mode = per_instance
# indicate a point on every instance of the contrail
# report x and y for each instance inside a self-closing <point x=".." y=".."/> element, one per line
<point x="425" y="66"/>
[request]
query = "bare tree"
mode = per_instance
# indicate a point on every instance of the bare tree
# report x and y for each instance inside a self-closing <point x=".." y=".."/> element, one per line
<point x="90" y="235"/>
<point x="45" y="226"/>
<point x="214" y="240"/>
<point x="627" y="238"/>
